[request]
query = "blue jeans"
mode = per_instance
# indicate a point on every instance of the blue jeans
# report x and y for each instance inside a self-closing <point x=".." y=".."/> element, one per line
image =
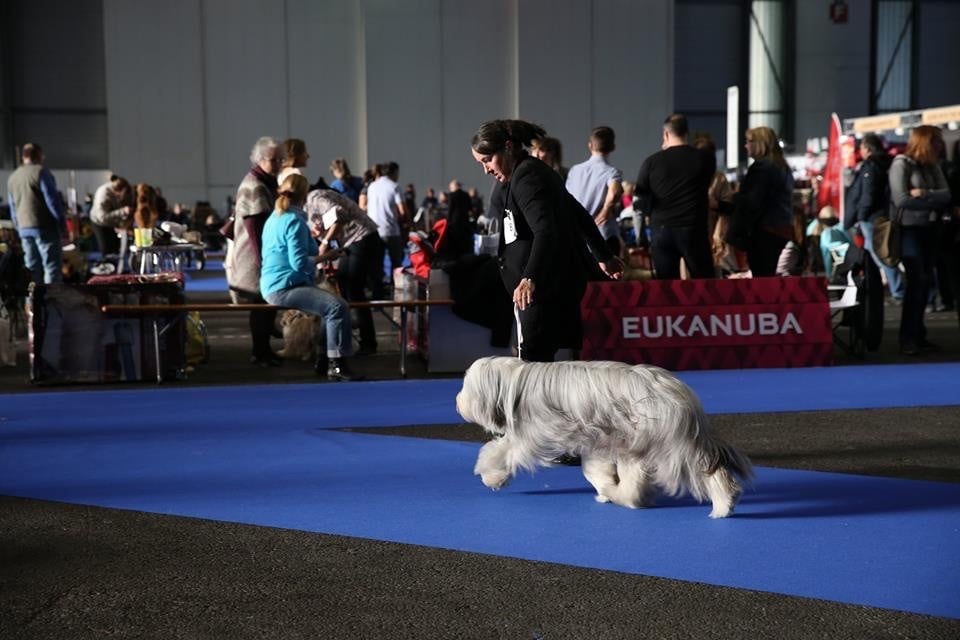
<point x="43" y="256"/>
<point x="332" y="309"/>
<point x="894" y="277"/>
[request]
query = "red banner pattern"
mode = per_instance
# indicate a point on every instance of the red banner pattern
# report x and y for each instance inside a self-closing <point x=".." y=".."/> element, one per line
<point x="709" y="324"/>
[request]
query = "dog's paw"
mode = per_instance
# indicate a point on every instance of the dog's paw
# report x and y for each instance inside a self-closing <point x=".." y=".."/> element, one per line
<point x="495" y="481"/>
<point x="601" y="498"/>
<point x="721" y="512"/>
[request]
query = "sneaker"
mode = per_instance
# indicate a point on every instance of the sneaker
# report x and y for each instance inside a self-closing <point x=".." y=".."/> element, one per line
<point x="339" y="371"/>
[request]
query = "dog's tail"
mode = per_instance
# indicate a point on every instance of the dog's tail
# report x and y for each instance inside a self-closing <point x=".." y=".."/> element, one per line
<point x="717" y="453"/>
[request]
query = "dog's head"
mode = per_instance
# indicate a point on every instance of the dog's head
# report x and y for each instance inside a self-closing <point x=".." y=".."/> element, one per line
<point x="484" y="396"/>
<point x="290" y="316"/>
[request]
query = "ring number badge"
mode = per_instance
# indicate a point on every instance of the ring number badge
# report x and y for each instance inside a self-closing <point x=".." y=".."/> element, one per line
<point x="509" y="227"/>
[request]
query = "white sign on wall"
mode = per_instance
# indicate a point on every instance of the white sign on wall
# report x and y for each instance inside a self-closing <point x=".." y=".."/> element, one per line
<point x="733" y="127"/>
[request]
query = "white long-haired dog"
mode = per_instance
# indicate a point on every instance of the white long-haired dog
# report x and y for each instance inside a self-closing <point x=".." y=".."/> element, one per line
<point x="637" y="428"/>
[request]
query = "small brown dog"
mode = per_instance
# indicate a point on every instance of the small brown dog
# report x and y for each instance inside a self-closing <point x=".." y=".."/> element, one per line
<point x="302" y="335"/>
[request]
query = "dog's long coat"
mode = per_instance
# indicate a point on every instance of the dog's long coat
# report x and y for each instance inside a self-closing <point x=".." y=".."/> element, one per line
<point x="635" y="427"/>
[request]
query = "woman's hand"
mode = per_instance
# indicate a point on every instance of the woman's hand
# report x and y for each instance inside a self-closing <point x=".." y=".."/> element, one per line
<point x="613" y="268"/>
<point x="328" y="254"/>
<point x="523" y="294"/>
<point x="918" y="193"/>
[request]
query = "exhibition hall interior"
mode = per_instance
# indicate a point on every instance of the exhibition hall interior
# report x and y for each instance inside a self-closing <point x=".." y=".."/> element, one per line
<point x="456" y="319"/>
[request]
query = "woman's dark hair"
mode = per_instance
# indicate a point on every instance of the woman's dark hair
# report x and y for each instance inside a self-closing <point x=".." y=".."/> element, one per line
<point x="492" y="137"/>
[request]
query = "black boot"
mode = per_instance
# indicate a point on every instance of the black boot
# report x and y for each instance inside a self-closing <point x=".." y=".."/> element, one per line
<point x="321" y="365"/>
<point x="339" y="370"/>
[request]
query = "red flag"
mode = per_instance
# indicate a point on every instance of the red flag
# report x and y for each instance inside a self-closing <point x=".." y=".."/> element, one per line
<point x="831" y="188"/>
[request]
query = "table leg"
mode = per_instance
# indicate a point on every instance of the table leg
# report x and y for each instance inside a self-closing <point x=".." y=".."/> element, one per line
<point x="403" y="341"/>
<point x="156" y="348"/>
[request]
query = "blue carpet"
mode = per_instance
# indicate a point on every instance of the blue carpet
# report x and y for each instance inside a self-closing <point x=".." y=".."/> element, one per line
<point x="432" y="401"/>
<point x="203" y="282"/>
<point x="267" y="456"/>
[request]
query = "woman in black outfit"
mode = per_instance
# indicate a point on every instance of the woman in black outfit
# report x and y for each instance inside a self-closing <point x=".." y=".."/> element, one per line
<point x="762" y="220"/>
<point x="545" y="233"/>
<point x="920" y="194"/>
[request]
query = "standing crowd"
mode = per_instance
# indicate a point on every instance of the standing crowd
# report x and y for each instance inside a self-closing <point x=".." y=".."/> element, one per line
<point x="556" y="227"/>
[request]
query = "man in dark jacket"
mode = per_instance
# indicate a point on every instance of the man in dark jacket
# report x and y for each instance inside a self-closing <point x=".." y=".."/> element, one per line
<point x="869" y="196"/>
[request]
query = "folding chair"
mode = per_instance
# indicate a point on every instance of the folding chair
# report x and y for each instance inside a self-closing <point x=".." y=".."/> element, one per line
<point x="848" y="312"/>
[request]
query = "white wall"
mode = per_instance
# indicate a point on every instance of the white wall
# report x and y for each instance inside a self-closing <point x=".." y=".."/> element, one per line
<point x="155" y="95"/>
<point x="374" y="81"/>
<point x="607" y="62"/>
<point x="182" y="88"/>
<point x="477" y="82"/>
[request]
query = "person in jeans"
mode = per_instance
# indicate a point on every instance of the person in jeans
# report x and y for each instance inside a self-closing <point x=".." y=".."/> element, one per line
<point x="919" y="191"/>
<point x="38" y="213"/>
<point x="288" y="275"/>
<point x="868" y="197"/>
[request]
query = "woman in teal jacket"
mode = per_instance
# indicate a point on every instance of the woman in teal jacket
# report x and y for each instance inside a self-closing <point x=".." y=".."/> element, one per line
<point x="288" y="274"/>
